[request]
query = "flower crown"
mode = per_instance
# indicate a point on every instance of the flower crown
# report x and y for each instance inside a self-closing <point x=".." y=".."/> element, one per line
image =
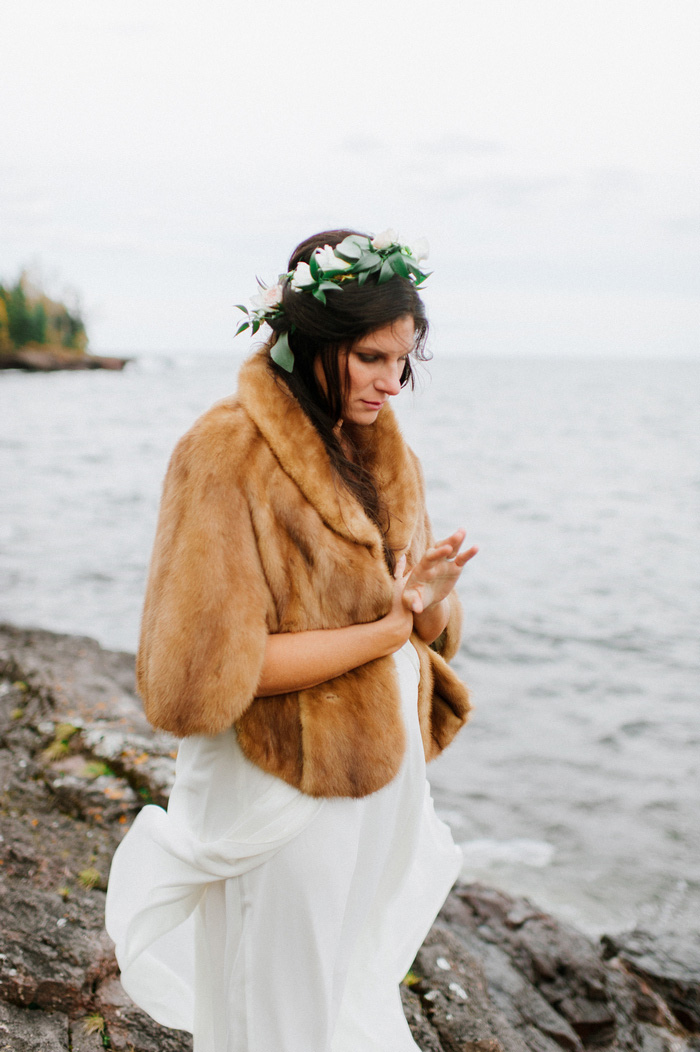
<point x="354" y="259"/>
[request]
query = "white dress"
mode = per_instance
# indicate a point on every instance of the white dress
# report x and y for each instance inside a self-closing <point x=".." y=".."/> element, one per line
<point x="263" y="920"/>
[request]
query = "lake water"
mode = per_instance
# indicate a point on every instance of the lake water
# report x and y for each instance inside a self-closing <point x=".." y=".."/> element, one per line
<point x="577" y="781"/>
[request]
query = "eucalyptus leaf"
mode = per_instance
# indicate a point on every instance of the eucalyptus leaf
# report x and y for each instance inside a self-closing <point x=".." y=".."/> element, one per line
<point x="330" y="286"/>
<point x="282" y="353"/>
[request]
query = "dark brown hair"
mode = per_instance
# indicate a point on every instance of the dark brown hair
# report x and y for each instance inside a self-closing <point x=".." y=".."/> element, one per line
<point x="318" y="331"/>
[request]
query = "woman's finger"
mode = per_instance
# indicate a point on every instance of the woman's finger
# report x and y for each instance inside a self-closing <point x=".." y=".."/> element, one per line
<point x="441" y="551"/>
<point x="464" y="557"/>
<point x="412" y="600"/>
<point x="454" y="541"/>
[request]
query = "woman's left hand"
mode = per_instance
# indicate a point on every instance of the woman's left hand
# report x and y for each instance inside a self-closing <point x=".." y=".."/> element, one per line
<point x="433" y="578"/>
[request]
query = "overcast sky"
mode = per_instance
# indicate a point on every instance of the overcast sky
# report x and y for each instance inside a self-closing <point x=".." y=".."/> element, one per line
<point x="156" y="155"/>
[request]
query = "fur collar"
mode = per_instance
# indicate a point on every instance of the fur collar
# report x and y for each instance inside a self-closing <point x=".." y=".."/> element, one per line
<point x="302" y="455"/>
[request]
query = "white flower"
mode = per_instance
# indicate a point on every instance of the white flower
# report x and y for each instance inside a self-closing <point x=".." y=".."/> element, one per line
<point x="327" y="259"/>
<point x="302" y="277"/>
<point x="387" y="238"/>
<point x="420" y="249"/>
<point x="267" y="299"/>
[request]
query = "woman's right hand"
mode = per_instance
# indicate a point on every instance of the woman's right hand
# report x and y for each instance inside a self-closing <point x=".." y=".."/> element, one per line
<point x="298" y="660"/>
<point x="398" y="623"/>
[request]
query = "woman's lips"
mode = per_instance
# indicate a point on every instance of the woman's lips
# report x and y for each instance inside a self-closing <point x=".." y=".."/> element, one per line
<point x="372" y="405"/>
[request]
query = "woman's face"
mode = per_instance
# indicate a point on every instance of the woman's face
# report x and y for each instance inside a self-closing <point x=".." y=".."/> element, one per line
<point x="375" y="365"/>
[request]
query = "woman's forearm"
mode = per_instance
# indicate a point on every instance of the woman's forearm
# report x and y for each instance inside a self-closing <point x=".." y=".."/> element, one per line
<point x="296" y="660"/>
<point x="431" y="622"/>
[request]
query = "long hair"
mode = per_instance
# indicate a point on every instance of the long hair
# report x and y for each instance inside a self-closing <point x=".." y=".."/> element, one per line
<point x="319" y="332"/>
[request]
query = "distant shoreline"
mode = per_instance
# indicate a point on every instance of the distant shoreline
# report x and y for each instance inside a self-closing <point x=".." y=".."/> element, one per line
<point x="51" y="359"/>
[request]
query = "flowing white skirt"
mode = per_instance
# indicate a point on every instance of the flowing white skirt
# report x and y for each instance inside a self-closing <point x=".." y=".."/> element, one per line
<point x="263" y="920"/>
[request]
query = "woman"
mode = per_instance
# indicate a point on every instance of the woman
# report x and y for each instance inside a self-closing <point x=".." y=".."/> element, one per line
<point x="297" y="623"/>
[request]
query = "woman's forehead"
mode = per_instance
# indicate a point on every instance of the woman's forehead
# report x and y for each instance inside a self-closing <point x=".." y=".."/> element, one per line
<point x="398" y="337"/>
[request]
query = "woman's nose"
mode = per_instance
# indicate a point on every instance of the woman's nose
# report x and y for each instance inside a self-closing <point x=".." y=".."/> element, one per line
<point x="390" y="380"/>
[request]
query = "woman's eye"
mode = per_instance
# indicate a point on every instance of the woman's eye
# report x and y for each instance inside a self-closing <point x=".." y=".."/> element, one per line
<point x="367" y="358"/>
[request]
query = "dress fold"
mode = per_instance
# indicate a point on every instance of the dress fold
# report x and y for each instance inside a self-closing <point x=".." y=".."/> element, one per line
<point x="260" y="919"/>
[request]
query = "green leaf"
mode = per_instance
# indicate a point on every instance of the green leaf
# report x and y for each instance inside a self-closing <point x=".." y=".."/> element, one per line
<point x="370" y="261"/>
<point x="319" y="294"/>
<point x="282" y="354"/>
<point x="239" y="306"/>
<point x="241" y="328"/>
<point x="420" y="275"/>
<point x="314" y="268"/>
<point x="351" y="248"/>
<point x="386" y="273"/>
<point x="399" y="264"/>
<point x="362" y="277"/>
<point x="335" y="272"/>
<point x="255" y="326"/>
<point x="330" y="286"/>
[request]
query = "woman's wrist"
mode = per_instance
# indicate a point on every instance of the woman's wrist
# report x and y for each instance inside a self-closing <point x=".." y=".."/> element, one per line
<point x="392" y="631"/>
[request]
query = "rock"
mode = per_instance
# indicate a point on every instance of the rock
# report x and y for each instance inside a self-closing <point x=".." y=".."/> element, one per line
<point x="22" y="1030"/>
<point x="129" y="1027"/>
<point x="554" y="985"/>
<point x="49" y="360"/>
<point x="423" y="1033"/>
<point x="84" y="1038"/>
<point x="77" y="761"/>
<point x="670" y="966"/>
<point x="454" y="993"/>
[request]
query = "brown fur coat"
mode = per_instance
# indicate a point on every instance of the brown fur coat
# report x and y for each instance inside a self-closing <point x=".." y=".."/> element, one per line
<point x="256" y="535"/>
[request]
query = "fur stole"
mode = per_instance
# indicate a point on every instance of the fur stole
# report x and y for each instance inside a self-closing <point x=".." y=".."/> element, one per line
<point x="257" y="535"/>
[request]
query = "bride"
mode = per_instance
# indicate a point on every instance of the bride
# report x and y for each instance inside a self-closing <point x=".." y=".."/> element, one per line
<point x="297" y="626"/>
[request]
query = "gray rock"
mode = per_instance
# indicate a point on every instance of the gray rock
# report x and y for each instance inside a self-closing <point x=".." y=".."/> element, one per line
<point x="423" y="1033"/>
<point x="454" y="991"/>
<point x="130" y="1028"/>
<point x="77" y="761"/>
<point x="22" y="1030"/>
<point x="670" y="964"/>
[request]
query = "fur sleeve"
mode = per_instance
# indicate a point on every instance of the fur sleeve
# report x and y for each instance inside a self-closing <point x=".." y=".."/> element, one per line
<point x="447" y="643"/>
<point x="204" y="626"/>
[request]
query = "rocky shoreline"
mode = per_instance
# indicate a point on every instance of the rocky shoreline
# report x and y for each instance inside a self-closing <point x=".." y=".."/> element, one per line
<point x="78" y="760"/>
<point x="50" y="360"/>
